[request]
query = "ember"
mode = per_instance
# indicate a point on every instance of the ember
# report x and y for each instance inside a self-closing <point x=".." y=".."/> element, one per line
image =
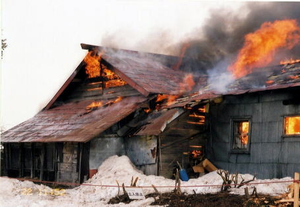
<point x="293" y="77"/>
<point x="147" y="110"/>
<point x="269" y="82"/>
<point x="201" y="122"/>
<point x="202" y="109"/>
<point x="260" y="46"/>
<point x="196" y="153"/>
<point x="114" y="101"/>
<point x="97" y="104"/>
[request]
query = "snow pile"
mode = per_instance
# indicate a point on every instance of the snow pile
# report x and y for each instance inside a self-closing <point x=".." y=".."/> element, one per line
<point x="13" y="191"/>
<point x="122" y="170"/>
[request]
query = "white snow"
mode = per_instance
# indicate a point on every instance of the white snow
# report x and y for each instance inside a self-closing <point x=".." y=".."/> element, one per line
<point x="122" y="170"/>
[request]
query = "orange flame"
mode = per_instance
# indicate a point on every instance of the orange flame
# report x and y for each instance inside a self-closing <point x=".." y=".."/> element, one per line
<point x="114" y="101"/>
<point x="113" y="80"/>
<point x="292" y="125"/>
<point x="196" y="153"/>
<point x="170" y="98"/>
<point x="97" y="104"/>
<point x="259" y="47"/>
<point x="244" y="132"/>
<point x="147" y="110"/>
<point x="294" y="77"/>
<point x="161" y="97"/>
<point x="94" y="104"/>
<point x="187" y="84"/>
<point x="92" y="68"/>
<point x="202" y="109"/>
<point x="290" y="61"/>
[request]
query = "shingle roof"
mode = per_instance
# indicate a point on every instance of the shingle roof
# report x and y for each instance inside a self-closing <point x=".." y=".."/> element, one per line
<point x="72" y="122"/>
<point x="143" y="71"/>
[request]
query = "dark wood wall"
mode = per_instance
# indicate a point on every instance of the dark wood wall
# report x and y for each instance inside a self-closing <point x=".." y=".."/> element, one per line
<point x="271" y="154"/>
<point x="63" y="162"/>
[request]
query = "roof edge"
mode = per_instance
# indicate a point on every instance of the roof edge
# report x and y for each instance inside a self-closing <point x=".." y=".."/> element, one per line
<point x="64" y="86"/>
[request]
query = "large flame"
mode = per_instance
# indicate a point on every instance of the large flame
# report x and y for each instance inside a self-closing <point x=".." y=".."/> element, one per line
<point x="260" y="46"/>
<point x="92" y="68"/>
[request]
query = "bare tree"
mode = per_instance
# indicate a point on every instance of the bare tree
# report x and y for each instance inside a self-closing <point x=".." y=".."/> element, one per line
<point x="3" y="46"/>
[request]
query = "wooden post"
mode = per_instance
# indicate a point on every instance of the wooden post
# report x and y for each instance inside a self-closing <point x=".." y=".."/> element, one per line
<point x="296" y="190"/>
<point x="6" y="158"/>
<point x="42" y="161"/>
<point x="21" y="160"/>
<point x="32" y="173"/>
<point x="80" y="148"/>
<point x="158" y="156"/>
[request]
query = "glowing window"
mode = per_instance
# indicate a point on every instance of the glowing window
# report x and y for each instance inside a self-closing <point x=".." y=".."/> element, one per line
<point x="241" y="135"/>
<point x="292" y="125"/>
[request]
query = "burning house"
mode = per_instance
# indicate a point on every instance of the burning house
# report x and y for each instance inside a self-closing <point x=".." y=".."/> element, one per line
<point x="156" y="110"/>
<point x="112" y="104"/>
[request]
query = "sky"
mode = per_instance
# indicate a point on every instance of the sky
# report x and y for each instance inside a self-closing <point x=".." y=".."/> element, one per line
<point x="44" y="36"/>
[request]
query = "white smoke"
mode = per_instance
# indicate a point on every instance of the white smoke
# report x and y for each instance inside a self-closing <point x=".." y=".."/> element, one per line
<point x="219" y="77"/>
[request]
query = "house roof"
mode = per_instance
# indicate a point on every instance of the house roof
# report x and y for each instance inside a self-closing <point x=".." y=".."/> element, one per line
<point x="145" y="74"/>
<point x="143" y="71"/>
<point x="72" y="121"/>
<point x="268" y="78"/>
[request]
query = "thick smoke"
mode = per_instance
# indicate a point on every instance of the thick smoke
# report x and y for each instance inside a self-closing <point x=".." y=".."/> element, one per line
<point x="224" y="36"/>
<point x="224" y="31"/>
<point x="214" y="46"/>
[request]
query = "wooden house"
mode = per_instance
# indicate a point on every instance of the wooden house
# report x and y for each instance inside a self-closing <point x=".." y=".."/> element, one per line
<point x="120" y="102"/>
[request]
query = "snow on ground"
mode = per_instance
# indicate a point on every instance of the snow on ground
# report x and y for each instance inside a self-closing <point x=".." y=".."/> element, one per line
<point x="121" y="169"/>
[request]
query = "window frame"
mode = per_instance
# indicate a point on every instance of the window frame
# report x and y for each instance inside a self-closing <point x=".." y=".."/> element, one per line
<point x="232" y="122"/>
<point x="283" y="127"/>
